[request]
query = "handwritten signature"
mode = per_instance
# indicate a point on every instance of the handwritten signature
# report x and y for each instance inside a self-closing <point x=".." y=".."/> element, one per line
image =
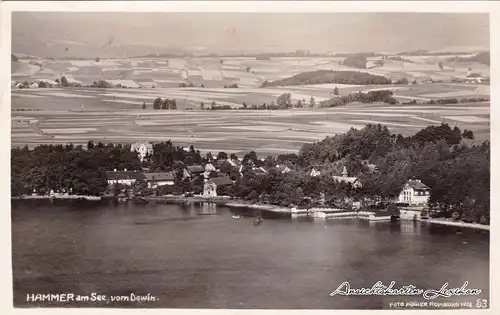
<point x="409" y="290"/>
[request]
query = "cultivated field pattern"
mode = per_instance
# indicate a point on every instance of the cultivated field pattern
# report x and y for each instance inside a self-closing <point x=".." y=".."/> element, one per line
<point x="63" y="115"/>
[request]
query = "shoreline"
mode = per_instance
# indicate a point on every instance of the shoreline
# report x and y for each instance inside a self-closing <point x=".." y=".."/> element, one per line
<point x="457" y="224"/>
<point x="234" y="203"/>
<point x="60" y="197"/>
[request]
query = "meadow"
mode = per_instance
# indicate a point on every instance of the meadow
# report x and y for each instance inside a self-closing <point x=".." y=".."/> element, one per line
<point x="62" y="115"/>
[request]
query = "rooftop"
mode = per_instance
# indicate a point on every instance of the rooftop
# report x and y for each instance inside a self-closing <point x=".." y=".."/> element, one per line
<point x="195" y="168"/>
<point x="345" y="179"/>
<point x="221" y="181"/>
<point x="159" y="176"/>
<point x="416" y="184"/>
<point x="123" y="175"/>
<point x="138" y="144"/>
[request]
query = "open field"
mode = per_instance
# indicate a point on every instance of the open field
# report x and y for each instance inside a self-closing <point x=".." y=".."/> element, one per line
<point x="101" y="99"/>
<point x="266" y="132"/>
<point x="214" y="74"/>
<point x="62" y="115"/>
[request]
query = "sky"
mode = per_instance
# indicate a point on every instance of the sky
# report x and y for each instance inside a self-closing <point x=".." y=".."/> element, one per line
<point x="48" y="34"/>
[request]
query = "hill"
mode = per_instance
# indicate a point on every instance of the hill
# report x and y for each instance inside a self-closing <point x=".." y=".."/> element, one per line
<point x="483" y="57"/>
<point x="330" y="76"/>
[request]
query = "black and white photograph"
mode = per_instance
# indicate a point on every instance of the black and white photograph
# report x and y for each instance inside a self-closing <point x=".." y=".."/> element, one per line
<point x="257" y="160"/>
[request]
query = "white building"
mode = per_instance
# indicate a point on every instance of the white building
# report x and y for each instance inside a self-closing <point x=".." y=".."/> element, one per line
<point x="210" y="186"/>
<point x="316" y="170"/>
<point x="142" y="148"/>
<point x="283" y="168"/>
<point x="414" y="193"/>
<point x="123" y="177"/>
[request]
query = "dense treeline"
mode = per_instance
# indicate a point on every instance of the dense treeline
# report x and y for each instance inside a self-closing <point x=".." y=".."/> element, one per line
<point x="162" y="104"/>
<point x="69" y="168"/>
<point x="355" y="61"/>
<point x="483" y="57"/>
<point x="458" y="175"/>
<point x="384" y="96"/>
<point x="330" y="76"/>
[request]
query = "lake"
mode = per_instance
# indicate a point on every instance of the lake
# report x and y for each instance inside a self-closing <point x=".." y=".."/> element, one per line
<point x="189" y="260"/>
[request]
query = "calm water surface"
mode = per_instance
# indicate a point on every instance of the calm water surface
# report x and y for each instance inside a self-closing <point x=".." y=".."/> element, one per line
<point x="188" y="260"/>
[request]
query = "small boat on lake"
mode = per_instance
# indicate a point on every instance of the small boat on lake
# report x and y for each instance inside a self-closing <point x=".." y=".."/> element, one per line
<point x="236" y="217"/>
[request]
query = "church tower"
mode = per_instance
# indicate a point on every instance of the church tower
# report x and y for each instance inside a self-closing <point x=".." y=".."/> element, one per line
<point x="344" y="172"/>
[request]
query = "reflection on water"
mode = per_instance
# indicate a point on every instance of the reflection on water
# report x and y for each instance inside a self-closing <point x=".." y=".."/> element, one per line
<point x="213" y="260"/>
<point x="208" y="208"/>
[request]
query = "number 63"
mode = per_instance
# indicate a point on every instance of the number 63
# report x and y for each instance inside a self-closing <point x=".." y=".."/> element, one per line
<point x="481" y="303"/>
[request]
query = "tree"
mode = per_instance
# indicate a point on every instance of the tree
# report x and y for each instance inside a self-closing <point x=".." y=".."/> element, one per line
<point x="90" y="145"/>
<point x="202" y="106"/>
<point x="140" y="188"/>
<point x="165" y="104"/>
<point x="173" y="104"/>
<point x="468" y="134"/>
<point x="248" y="69"/>
<point x="222" y="156"/>
<point x="233" y="157"/>
<point x="97" y="59"/>
<point x="312" y="102"/>
<point x="157" y="103"/>
<point x="336" y="91"/>
<point x="393" y="210"/>
<point x="64" y="81"/>
<point x="209" y="158"/>
<point x="440" y="65"/>
<point x="244" y="105"/>
<point x="144" y="105"/>
<point x="299" y="104"/>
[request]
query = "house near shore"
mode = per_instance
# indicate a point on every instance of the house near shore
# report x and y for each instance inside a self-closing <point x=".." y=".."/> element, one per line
<point x="123" y="177"/>
<point x="142" y="149"/>
<point x="211" y="185"/>
<point x="414" y="192"/>
<point x="354" y="181"/>
<point x="159" y="179"/>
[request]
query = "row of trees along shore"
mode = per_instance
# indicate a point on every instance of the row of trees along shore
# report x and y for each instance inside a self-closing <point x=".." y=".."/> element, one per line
<point x="458" y="175"/>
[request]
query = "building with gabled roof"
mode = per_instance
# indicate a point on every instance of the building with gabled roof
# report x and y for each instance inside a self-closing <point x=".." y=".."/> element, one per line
<point x="142" y="149"/>
<point x="195" y="170"/>
<point x="124" y="177"/>
<point x="316" y="170"/>
<point x="414" y="192"/>
<point x="159" y="179"/>
<point x="211" y="185"/>
<point x="283" y="168"/>
<point x="354" y="181"/>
